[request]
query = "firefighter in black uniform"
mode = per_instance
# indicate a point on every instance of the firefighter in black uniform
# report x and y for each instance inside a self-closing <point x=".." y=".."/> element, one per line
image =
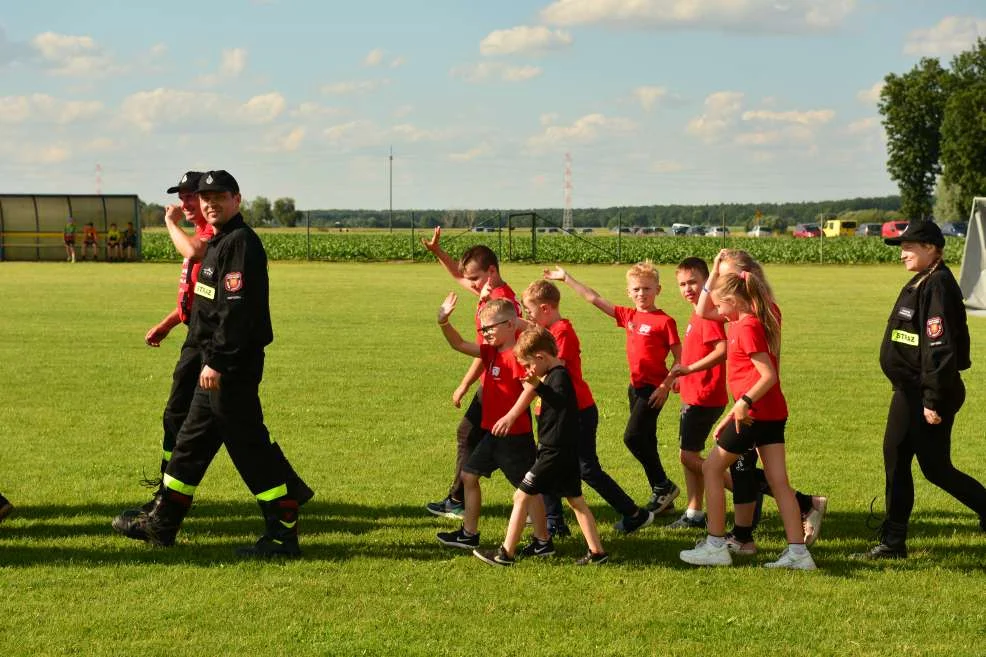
<point x="925" y="346"/>
<point x="230" y="324"/>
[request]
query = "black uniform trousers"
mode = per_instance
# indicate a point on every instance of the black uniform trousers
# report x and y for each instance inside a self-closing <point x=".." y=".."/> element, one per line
<point x="467" y="436"/>
<point x="908" y="435"/>
<point x="183" y="382"/>
<point x="231" y="416"/>
<point x="640" y="435"/>
<point x="592" y="472"/>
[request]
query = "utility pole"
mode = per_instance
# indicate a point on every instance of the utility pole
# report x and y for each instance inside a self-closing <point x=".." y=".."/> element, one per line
<point x="390" y="219"/>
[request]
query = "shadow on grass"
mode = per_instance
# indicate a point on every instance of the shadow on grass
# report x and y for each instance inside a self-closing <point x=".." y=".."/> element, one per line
<point x="334" y="532"/>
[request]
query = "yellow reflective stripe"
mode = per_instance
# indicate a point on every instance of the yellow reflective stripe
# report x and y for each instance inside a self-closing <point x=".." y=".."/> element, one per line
<point x="288" y="525"/>
<point x="173" y="484"/>
<point x="910" y="339"/>
<point x="166" y="456"/>
<point x="273" y="493"/>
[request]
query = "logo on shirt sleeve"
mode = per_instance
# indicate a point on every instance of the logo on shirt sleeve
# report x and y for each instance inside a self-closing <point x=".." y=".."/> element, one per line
<point x="935" y="327"/>
<point x="233" y="281"/>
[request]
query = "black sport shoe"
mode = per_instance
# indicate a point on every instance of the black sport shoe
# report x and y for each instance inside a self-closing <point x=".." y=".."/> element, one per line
<point x="558" y="529"/>
<point x="630" y="524"/>
<point x="447" y="508"/>
<point x="592" y="559"/>
<point x="6" y="508"/>
<point x="459" y="539"/>
<point x="662" y="497"/>
<point x="537" y="548"/>
<point x="884" y="551"/>
<point x="270" y="548"/>
<point x="497" y="557"/>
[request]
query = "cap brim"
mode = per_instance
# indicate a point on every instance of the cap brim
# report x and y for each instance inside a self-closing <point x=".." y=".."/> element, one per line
<point x="892" y="241"/>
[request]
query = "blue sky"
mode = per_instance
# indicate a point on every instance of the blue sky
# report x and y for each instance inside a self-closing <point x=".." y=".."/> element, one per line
<point x="657" y="101"/>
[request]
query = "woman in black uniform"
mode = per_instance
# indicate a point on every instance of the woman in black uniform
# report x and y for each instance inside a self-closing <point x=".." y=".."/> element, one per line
<point x="925" y="347"/>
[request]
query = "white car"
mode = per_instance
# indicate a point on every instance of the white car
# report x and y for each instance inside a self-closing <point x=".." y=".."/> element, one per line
<point x="760" y="231"/>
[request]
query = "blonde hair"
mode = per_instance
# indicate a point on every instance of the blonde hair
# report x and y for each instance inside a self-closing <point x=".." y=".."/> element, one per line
<point x="754" y="292"/>
<point x="498" y="309"/>
<point x="533" y="340"/>
<point x="643" y="269"/>
<point x="542" y="291"/>
<point x="743" y="261"/>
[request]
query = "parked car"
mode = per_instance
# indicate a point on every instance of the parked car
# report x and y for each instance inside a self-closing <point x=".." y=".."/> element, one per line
<point x="717" y="231"/>
<point x="760" y="231"/>
<point x="955" y="229"/>
<point x="839" y="228"/>
<point x="548" y="229"/>
<point x="695" y="231"/>
<point x="869" y="230"/>
<point x="807" y="230"/>
<point x="679" y="229"/>
<point x="893" y="228"/>
<point x="626" y="230"/>
<point x="484" y="229"/>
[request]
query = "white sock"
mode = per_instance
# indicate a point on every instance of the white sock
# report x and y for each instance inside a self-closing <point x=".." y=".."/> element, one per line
<point x="694" y="514"/>
<point x="797" y="548"/>
<point x="715" y="541"/>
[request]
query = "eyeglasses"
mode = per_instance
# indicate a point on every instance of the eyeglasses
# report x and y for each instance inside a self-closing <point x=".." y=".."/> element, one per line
<point x="489" y="328"/>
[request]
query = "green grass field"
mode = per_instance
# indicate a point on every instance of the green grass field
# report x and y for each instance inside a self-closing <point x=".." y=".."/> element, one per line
<point x="357" y="391"/>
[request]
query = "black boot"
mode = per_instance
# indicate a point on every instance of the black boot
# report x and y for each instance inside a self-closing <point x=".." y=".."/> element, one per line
<point x="281" y="537"/>
<point x="161" y="524"/>
<point x="892" y="545"/>
<point x="6" y="508"/>
<point x="129" y="518"/>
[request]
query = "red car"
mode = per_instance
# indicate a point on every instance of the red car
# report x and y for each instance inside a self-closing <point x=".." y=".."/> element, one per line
<point x="893" y="228"/>
<point x="807" y="230"/>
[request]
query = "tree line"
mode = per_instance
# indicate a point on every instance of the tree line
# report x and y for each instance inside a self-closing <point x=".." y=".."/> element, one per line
<point x="258" y="212"/>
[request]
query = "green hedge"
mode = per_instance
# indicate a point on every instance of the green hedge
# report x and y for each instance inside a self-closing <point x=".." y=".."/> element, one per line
<point x="375" y="247"/>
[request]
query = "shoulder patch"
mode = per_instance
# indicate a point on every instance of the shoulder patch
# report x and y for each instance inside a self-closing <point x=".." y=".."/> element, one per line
<point x="935" y="327"/>
<point x="233" y="281"/>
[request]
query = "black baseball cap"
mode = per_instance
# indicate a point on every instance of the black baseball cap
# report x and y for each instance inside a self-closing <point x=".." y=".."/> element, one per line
<point x="188" y="183"/>
<point x="921" y="231"/>
<point x="218" y="181"/>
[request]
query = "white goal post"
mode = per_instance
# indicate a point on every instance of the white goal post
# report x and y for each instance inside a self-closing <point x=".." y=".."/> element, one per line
<point x="972" y="278"/>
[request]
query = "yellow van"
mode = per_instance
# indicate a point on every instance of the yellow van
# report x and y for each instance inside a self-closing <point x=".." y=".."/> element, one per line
<point x="839" y="228"/>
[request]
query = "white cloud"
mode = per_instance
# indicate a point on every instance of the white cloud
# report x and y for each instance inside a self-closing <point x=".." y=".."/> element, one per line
<point x="398" y="61"/>
<point x="471" y="154"/>
<point x="483" y="71"/>
<point x="53" y="154"/>
<point x="158" y="50"/>
<point x="74" y="56"/>
<point x="373" y="58"/>
<point x="872" y="95"/>
<point x="524" y="39"/>
<point x="586" y="129"/>
<point x="809" y="118"/>
<point x="314" y="111"/>
<point x="149" y="109"/>
<point x="401" y="111"/>
<point x="42" y="108"/>
<point x="233" y="62"/>
<point x="648" y="96"/>
<point x="548" y="118"/>
<point x="865" y="125"/>
<point x="666" y="166"/>
<point x="951" y="35"/>
<point x="722" y="108"/>
<point x="354" y="87"/>
<point x="729" y="15"/>
<point x="291" y="141"/>
<point x="353" y="134"/>
<point x="261" y="109"/>
<point x="412" y="133"/>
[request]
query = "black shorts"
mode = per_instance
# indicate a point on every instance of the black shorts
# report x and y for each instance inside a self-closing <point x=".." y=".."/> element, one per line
<point x="130" y="243"/>
<point x="69" y="241"/>
<point x="513" y="454"/>
<point x="90" y="242"/>
<point x="555" y="472"/>
<point x="474" y="413"/>
<point x="695" y="424"/>
<point x="761" y="432"/>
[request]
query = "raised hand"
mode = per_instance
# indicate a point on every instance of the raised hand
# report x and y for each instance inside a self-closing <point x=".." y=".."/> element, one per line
<point x="445" y="310"/>
<point x="556" y="274"/>
<point x="432" y="244"/>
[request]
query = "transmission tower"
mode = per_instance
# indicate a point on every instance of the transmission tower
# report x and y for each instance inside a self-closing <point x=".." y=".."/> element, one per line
<point x="566" y="219"/>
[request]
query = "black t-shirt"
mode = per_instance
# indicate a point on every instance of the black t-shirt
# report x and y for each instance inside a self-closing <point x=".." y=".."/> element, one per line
<point x="558" y="422"/>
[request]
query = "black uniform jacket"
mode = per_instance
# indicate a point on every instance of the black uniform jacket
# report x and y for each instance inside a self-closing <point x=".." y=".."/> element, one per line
<point x="230" y="319"/>
<point x="926" y="343"/>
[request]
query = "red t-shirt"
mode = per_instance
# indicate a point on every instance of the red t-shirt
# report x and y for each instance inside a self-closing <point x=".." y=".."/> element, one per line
<point x="708" y="387"/>
<point x="190" y="274"/>
<point x="650" y="336"/>
<point x="502" y="292"/>
<point x="570" y="351"/>
<point x="502" y="386"/>
<point x="747" y="337"/>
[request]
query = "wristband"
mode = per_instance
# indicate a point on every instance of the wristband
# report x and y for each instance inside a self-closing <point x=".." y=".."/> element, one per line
<point x="706" y="289"/>
<point x="749" y="402"/>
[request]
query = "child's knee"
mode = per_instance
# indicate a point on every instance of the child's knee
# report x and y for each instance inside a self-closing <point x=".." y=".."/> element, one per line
<point x="469" y="479"/>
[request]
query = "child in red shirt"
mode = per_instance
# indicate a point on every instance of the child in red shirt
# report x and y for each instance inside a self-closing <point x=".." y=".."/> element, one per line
<point x="541" y="299"/>
<point x="651" y="335"/>
<point x="508" y="439"/>
<point x="756" y="420"/>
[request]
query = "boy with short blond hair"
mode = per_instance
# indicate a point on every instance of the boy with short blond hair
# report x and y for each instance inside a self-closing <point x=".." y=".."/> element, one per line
<point x="508" y="439"/>
<point x="651" y="334"/>
<point x="556" y="469"/>
<point x="541" y="300"/>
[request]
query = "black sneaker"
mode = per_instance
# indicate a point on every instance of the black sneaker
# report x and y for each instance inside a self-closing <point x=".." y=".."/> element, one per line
<point x="271" y="548"/>
<point x="558" y="529"/>
<point x="459" y="539"/>
<point x="6" y="508"/>
<point x="630" y="524"/>
<point x="662" y="497"/>
<point x="447" y="508"/>
<point x="537" y="548"/>
<point x="592" y="559"/>
<point x="884" y="551"/>
<point x="497" y="557"/>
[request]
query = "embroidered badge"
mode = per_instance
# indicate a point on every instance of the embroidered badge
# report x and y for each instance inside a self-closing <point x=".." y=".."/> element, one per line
<point x="935" y="327"/>
<point x="495" y="371"/>
<point x="207" y="272"/>
<point x="905" y="313"/>
<point x="233" y="281"/>
<point x="644" y="329"/>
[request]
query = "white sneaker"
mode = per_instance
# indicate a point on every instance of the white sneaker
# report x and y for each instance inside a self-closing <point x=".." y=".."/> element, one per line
<point x="737" y="546"/>
<point x="705" y="554"/>
<point x="812" y="521"/>
<point x="793" y="561"/>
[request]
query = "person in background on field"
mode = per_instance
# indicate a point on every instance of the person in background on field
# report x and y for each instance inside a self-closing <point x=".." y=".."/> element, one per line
<point x="112" y="244"/>
<point x="756" y="421"/>
<point x="90" y="239"/>
<point x="6" y="508"/>
<point x="128" y="242"/>
<point x="68" y="234"/>
<point x="744" y="471"/>
<point x="508" y="440"/>
<point x="925" y="347"/>
<point x="651" y="335"/>
<point x="556" y="470"/>
<point x="478" y="270"/>
<point x="540" y="301"/>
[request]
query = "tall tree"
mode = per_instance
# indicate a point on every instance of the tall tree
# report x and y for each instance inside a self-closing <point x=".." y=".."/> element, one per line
<point x="261" y="213"/>
<point x="964" y="129"/>
<point x="913" y="105"/>
<point x="946" y="201"/>
<point x="151" y="214"/>
<point x="285" y="212"/>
